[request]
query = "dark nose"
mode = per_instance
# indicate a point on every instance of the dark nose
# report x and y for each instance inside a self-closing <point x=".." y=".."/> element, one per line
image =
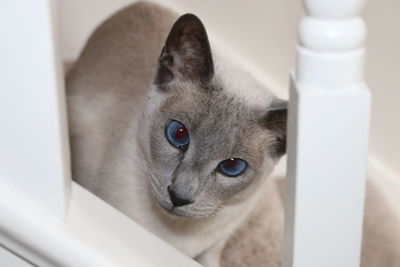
<point x="176" y="200"/>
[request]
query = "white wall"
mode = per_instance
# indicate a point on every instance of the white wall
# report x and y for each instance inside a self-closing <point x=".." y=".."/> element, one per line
<point x="264" y="33"/>
<point x="383" y="77"/>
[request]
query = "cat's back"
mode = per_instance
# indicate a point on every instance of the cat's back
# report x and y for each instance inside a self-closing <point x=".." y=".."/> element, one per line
<point x="107" y="84"/>
<point x="122" y="52"/>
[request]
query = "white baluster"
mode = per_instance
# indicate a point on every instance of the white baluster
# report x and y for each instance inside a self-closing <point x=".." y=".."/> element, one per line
<point x="34" y="160"/>
<point x="327" y="142"/>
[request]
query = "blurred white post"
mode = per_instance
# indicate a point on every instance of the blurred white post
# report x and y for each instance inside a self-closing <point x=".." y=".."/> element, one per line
<point x="327" y="142"/>
<point x="34" y="159"/>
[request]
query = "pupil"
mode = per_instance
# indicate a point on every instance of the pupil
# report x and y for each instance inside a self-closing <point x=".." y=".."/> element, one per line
<point x="231" y="163"/>
<point x="181" y="133"/>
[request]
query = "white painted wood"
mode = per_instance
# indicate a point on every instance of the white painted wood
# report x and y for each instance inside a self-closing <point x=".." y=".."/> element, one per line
<point x="327" y="142"/>
<point x="7" y="258"/>
<point x="334" y="9"/>
<point x="93" y="234"/>
<point x="33" y="150"/>
<point x="334" y="35"/>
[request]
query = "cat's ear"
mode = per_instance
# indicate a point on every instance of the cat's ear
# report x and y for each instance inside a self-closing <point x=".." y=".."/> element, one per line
<point x="275" y="121"/>
<point x="186" y="54"/>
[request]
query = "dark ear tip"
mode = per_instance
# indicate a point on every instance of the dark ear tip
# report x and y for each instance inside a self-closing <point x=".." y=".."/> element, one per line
<point x="278" y="103"/>
<point x="189" y="21"/>
<point x="192" y="58"/>
<point x="276" y="113"/>
<point x="189" y="17"/>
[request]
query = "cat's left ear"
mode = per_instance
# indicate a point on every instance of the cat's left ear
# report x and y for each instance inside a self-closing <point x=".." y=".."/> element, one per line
<point x="275" y="121"/>
<point x="186" y="54"/>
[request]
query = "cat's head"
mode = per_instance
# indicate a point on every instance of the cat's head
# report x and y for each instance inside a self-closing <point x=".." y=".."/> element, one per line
<point x="209" y="134"/>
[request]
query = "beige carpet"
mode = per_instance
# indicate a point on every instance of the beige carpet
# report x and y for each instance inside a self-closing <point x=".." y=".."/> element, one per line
<point x="258" y="241"/>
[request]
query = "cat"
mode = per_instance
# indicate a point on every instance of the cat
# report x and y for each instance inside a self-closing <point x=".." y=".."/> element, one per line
<point x="176" y="140"/>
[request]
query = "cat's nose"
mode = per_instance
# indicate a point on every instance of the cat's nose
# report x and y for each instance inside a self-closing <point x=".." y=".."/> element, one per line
<point x="176" y="200"/>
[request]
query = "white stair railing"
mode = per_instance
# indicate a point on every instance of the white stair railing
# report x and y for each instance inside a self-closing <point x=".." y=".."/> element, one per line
<point x="327" y="142"/>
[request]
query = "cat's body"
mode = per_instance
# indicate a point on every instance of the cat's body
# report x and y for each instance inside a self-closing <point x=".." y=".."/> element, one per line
<point x="111" y="102"/>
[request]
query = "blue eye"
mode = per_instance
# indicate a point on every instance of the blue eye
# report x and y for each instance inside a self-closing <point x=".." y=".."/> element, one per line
<point x="232" y="167"/>
<point x="177" y="134"/>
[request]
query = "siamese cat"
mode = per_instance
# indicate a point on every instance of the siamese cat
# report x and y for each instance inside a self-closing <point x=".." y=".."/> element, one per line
<point x="176" y="140"/>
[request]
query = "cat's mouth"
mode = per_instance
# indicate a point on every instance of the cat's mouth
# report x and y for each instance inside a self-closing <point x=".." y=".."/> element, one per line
<point x="184" y="212"/>
<point x="177" y="212"/>
<point x="163" y="203"/>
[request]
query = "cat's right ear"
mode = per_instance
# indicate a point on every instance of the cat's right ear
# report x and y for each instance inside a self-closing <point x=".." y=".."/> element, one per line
<point x="186" y="54"/>
<point x="275" y="121"/>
